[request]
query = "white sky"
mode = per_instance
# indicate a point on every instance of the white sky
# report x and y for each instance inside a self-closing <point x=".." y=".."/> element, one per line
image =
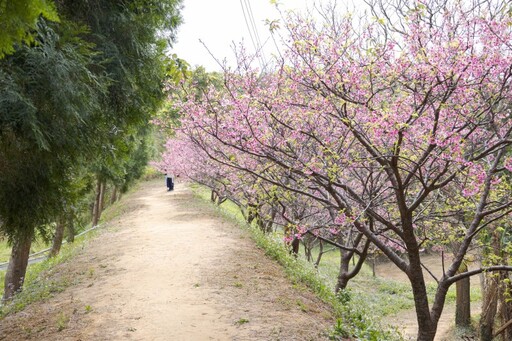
<point x="219" y="23"/>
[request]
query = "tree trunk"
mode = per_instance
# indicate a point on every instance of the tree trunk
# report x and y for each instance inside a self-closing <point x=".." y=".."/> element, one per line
<point x="345" y="274"/>
<point x="98" y="202"/>
<point x="113" y="196"/>
<point x="426" y="326"/>
<point x="295" y="247"/>
<point x="342" y="281"/>
<point x="463" y="300"/>
<point x="15" y="275"/>
<point x="307" y="250"/>
<point x="267" y="226"/>
<point x="504" y="305"/>
<point x="250" y="215"/>
<point x="489" y="308"/>
<point x="270" y="222"/>
<point x="103" y="189"/>
<point x="96" y="209"/>
<point x="244" y="212"/>
<point x="503" y="329"/>
<point x="490" y="294"/>
<point x="57" y="238"/>
<point x="504" y="298"/>
<point x="70" y="228"/>
<point x="320" y="254"/>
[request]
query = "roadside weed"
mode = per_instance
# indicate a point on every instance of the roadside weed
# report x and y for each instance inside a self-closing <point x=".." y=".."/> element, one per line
<point x="62" y="321"/>
<point x="241" y="321"/>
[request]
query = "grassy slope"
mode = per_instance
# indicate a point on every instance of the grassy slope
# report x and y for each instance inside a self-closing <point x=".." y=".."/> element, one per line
<point x="372" y="297"/>
<point x="353" y="317"/>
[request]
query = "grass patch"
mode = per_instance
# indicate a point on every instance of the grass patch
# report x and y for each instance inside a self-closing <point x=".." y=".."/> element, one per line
<point x="120" y="207"/>
<point x="382" y="296"/>
<point x="151" y="173"/>
<point x="41" y="282"/>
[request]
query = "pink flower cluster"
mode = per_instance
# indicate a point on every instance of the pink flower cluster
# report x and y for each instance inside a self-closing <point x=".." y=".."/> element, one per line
<point x="410" y="126"/>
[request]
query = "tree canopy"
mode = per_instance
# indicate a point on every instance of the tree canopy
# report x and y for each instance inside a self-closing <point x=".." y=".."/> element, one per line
<point x="395" y="129"/>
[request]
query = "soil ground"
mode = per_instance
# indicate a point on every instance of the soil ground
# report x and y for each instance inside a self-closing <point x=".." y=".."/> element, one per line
<point x="171" y="269"/>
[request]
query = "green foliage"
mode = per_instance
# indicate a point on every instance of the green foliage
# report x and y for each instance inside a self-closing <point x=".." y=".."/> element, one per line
<point x="344" y="296"/>
<point x="47" y="104"/>
<point x="183" y="82"/>
<point x="75" y="99"/>
<point x="132" y="38"/>
<point x="177" y="69"/>
<point x="83" y="91"/>
<point x="18" y="20"/>
<point x="151" y="173"/>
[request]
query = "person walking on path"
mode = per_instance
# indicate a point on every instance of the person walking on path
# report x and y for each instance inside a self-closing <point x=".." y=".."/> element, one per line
<point x="169" y="181"/>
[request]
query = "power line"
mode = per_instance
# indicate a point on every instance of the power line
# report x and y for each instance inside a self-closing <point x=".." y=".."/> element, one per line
<point x="248" y="26"/>
<point x="253" y="32"/>
<point x="255" y="29"/>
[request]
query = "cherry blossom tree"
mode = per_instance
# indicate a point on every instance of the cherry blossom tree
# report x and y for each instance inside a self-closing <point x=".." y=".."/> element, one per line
<point x="398" y="127"/>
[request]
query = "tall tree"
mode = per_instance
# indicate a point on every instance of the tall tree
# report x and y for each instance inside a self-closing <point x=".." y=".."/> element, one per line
<point x="48" y="106"/>
<point x="132" y="37"/>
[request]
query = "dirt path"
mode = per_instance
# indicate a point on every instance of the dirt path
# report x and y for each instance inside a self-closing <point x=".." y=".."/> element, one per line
<point x="171" y="269"/>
